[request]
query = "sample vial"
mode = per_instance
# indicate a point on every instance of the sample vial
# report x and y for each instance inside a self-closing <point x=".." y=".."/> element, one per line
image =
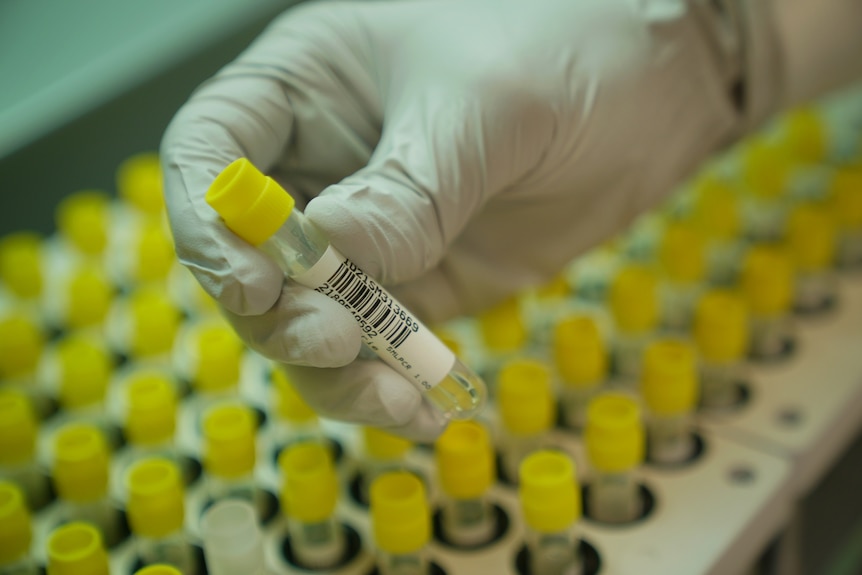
<point x="21" y="265"/>
<point x="259" y="211"/>
<point x="82" y="220"/>
<point x="151" y="416"/>
<point x="401" y="524"/>
<point x="232" y="539"/>
<point x="309" y="495"/>
<point x="551" y="505"/>
<point x="722" y="336"/>
<point x="156" y="511"/>
<point x="615" y="446"/>
<point x="682" y="259"/>
<point x="21" y="344"/>
<point x="766" y="176"/>
<point x="503" y="334"/>
<point x="18" y="431"/>
<point x="846" y="199"/>
<point x="527" y="411"/>
<point x="212" y="355"/>
<point x="139" y="184"/>
<point x="80" y="475"/>
<point x="77" y="549"/>
<point x="582" y="366"/>
<point x="229" y="453"/>
<point x="144" y="326"/>
<point x="383" y="452"/>
<point x="634" y="304"/>
<point x="83" y="300"/>
<point x="159" y="570"/>
<point x="717" y="217"/>
<point x="152" y="254"/>
<point x="811" y="240"/>
<point x="294" y="419"/>
<point x="464" y="456"/>
<point x="767" y="283"/>
<point x="16" y="533"/>
<point x="669" y="388"/>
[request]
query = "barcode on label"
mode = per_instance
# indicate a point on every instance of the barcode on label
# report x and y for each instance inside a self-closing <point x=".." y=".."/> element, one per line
<point x="366" y="301"/>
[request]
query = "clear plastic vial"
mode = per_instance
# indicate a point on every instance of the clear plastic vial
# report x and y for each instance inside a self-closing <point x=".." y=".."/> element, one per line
<point x="233" y="542"/>
<point x="210" y="354"/>
<point x="464" y="455"/>
<point x="401" y="524"/>
<point x="259" y="211"/>
<point x="766" y="176"/>
<point x="581" y="359"/>
<point x="682" y="260"/>
<point x="811" y="238"/>
<point x="615" y="446"/>
<point x="18" y="464"/>
<point x="16" y="533"/>
<point x="309" y="495"/>
<point x="229" y="454"/>
<point x="635" y="308"/>
<point x="721" y="334"/>
<point x="717" y="216"/>
<point x="77" y="548"/>
<point x="767" y="284"/>
<point x="551" y="505"/>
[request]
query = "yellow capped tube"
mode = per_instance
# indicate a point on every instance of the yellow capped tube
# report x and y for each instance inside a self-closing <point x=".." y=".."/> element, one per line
<point x="260" y="212"/>
<point x="383" y="452"/>
<point x="21" y="264"/>
<point x="295" y="420"/>
<point x="88" y="297"/>
<point x="216" y="353"/>
<point x="82" y="219"/>
<point x="846" y="199"/>
<point x="813" y="242"/>
<point x="767" y="284"/>
<point x="670" y="389"/>
<point x="614" y="437"/>
<point x="527" y="410"/>
<point x="153" y="253"/>
<point x="21" y="344"/>
<point x="551" y="504"/>
<point x="16" y="532"/>
<point x="682" y="253"/>
<point x="805" y="136"/>
<point x="151" y="410"/>
<point x="309" y="495"/>
<point x="230" y="452"/>
<point x="77" y="549"/>
<point x="85" y="369"/>
<point x="401" y="524"/>
<point x="156" y="511"/>
<point x="722" y="335"/>
<point x="581" y="358"/>
<point x="634" y="303"/>
<point x="139" y="183"/>
<point x="18" y="431"/>
<point x="766" y="172"/>
<point x="153" y="321"/>
<point x="718" y="217"/>
<point x="466" y="468"/>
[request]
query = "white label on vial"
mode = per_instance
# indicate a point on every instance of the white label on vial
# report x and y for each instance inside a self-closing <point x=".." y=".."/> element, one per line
<point x="398" y="338"/>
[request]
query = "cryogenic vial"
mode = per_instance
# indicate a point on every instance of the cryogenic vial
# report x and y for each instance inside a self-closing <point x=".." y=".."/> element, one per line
<point x="669" y="387"/>
<point x="401" y="524"/>
<point x="83" y="300"/>
<point x="80" y="473"/>
<point x="846" y="199"/>
<point x="614" y="438"/>
<point x="82" y="220"/>
<point x="503" y="334"/>
<point x="156" y="511"/>
<point x="805" y="136"/>
<point x="383" y="452"/>
<point x="139" y="183"/>
<point x="18" y="432"/>
<point x="259" y="211"/>
<point x="582" y="366"/>
<point x="717" y="216"/>
<point x="309" y="494"/>
<point x="233" y="542"/>
<point x="153" y="253"/>
<point x="634" y="304"/>
<point x="721" y="333"/>
<point x="21" y="344"/>
<point x="766" y="174"/>
<point x="16" y="533"/>
<point x="294" y="419"/>
<point x="229" y="453"/>
<point x="464" y="455"/>
<point x="151" y="416"/>
<point x="21" y="267"/>
<point x="77" y="549"/>
<point x="210" y="356"/>
<point x="682" y="260"/>
<point x="144" y="326"/>
<point x="811" y="241"/>
<point x="767" y="284"/>
<point x="159" y="570"/>
<point x="527" y="407"/>
<point x="551" y="506"/>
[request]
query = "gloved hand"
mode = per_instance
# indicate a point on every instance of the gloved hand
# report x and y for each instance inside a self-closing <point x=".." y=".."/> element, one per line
<point x="456" y="150"/>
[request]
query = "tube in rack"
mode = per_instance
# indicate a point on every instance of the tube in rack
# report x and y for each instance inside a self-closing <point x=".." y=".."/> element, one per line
<point x="16" y="533"/>
<point x="401" y="524"/>
<point x="721" y="334"/>
<point x="582" y="366"/>
<point x="233" y="542"/>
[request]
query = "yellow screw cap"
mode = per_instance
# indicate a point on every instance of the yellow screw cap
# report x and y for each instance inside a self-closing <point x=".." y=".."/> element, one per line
<point x="80" y="463"/>
<point x="669" y="383"/>
<point x="289" y="405"/>
<point x="89" y="296"/>
<point x="465" y="460"/>
<point x="77" y="549"/>
<point x="383" y="445"/>
<point x="229" y="446"/>
<point x="525" y="397"/>
<point x="765" y="169"/>
<point x="154" y="322"/>
<point x="579" y="352"/>
<point x="634" y="299"/>
<point x="155" y="504"/>
<point x="151" y="411"/>
<point x="21" y="343"/>
<point x="18" y="428"/>
<point x="614" y="433"/>
<point x="548" y="490"/>
<point x="15" y="529"/>
<point x="252" y="205"/>
<point x="846" y="192"/>
<point x="399" y="513"/>
<point x="805" y="136"/>
<point x="717" y="209"/>
<point x="310" y="489"/>
<point x="82" y="218"/>
<point x="85" y="370"/>
<point x="767" y="281"/>
<point x="721" y="327"/>
<point x="682" y="253"/>
<point x="158" y="570"/>
<point x="139" y="182"/>
<point x="218" y="352"/>
<point x="502" y="327"/>
<point x="154" y="252"/>
<point x="21" y="263"/>
<point x="811" y="238"/>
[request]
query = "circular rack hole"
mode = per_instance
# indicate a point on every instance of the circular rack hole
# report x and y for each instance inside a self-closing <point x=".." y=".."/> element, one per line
<point x="742" y="475"/>
<point x="592" y="561"/>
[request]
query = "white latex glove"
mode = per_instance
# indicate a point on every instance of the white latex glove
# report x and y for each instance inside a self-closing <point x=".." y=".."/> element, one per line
<point x="457" y="151"/>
